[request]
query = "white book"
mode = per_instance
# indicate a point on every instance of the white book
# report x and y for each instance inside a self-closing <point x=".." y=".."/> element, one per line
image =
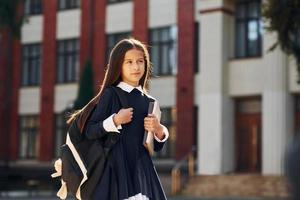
<point x="148" y="136"/>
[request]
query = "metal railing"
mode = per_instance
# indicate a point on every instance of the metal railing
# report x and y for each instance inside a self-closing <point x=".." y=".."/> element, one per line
<point x="185" y="166"/>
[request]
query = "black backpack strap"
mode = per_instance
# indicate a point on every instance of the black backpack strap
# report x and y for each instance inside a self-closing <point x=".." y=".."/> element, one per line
<point x="121" y="96"/>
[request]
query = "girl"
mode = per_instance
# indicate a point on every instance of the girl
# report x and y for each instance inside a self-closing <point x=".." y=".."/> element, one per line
<point x="129" y="172"/>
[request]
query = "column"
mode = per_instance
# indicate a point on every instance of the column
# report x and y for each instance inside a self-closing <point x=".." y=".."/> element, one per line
<point x="216" y="132"/>
<point x="277" y="104"/>
<point x="86" y="39"/>
<point x="14" y="117"/>
<point x="16" y="77"/>
<point x="99" y="42"/>
<point x="140" y="20"/>
<point x="6" y="42"/>
<point x="48" y="74"/>
<point x="185" y="78"/>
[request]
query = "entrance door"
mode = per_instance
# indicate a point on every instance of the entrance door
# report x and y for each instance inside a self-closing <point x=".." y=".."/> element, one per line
<point x="248" y="136"/>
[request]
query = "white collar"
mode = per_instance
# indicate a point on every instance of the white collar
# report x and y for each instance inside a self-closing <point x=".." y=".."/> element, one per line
<point x="128" y="88"/>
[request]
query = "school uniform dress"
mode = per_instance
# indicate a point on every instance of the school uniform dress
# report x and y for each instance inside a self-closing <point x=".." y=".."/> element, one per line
<point x="129" y="173"/>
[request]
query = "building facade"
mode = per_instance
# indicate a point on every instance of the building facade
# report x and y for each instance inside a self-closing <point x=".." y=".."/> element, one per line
<point x="247" y="95"/>
<point x="219" y="88"/>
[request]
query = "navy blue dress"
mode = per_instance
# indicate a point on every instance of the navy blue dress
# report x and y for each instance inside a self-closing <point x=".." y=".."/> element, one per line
<point x="129" y="172"/>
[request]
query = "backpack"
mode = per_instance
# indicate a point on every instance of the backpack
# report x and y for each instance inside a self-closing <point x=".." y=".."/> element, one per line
<point x="82" y="161"/>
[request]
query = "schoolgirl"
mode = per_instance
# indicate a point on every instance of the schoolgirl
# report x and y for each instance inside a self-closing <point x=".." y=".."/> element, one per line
<point x="129" y="172"/>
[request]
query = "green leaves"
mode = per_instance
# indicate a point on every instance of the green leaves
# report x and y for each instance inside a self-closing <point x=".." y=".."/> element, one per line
<point x="85" y="92"/>
<point x="9" y="16"/>
<point x="284" y="18"/>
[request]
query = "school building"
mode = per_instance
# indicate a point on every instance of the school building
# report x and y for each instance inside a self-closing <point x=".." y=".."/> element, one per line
<point x="219" y="88"/>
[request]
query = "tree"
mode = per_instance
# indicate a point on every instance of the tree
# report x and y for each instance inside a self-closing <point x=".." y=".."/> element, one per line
<point x="284" y="18"/>
<point x="9" y="16"/>
<point x="85" y="91"/>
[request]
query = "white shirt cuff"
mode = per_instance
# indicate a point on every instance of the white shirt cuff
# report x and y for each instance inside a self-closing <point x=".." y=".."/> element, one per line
<point x="110" y="126"/>
<point x="166" y="132"/>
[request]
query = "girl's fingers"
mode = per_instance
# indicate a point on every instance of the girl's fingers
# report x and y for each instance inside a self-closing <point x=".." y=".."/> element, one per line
<point x="149" y="118"/>
<point x="149" y="125"/>
<point x="148" y="122"/>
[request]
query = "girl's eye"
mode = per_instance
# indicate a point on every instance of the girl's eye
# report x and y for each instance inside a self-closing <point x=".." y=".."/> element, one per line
<point x="141" y="61"/>
<point x="129" y="62"/>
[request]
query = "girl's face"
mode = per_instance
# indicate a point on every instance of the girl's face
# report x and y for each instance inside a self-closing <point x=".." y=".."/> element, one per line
<point x="133" y="67"/>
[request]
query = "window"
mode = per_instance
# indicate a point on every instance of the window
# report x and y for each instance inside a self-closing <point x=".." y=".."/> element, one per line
<point x="297" y="40"/>
<point x="68" y="4"/>
<point x="113" y="39"/>
<point x="297" y="115"/>
<point x="249" y="105"/>
<point x="197" y="38"/>
<point x="168" y="119"/>
<point x="67" y="61"/>
<point x="31" y="64"/>
<point x="33" y="7"/>
<point x="61" y="131"/>
<point x="163" y="51"/>
<point x="248" y="28"/>
<point x="116" y="1"/>
<point x="195" y="143"/>
<point x="29" y="140"/>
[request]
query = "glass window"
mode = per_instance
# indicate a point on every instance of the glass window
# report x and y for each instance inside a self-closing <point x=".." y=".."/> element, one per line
<point x="113" y="39"/>
<point x="31" y="65"/>
<point x="196" y="47"/>
<point x="163" y="51"/>
<point x="116" y="1"/>
<point x="168" y="119"/>
<point x="248" y="28"/>
<point x="61" y="131"/>
<point x="249" y="106"/>
<point x="29" y="137"/>
<point x="254" y="9"/>
<point x="33" y="7"/>
<point x="297" y="40"/>
<point x="297" y="115"/>
<point x="67" y="61"/>
<point x="68" y="4"/>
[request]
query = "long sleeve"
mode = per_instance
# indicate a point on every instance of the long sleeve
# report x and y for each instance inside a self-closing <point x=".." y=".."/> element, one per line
<point x="95" y="127"/>
<point x="110" y="126"/>
<point x="166" y="132"/>
<point x="159" y="144"/>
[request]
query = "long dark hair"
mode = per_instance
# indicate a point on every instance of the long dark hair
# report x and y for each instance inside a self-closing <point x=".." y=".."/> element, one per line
<point x="113" y="76"/>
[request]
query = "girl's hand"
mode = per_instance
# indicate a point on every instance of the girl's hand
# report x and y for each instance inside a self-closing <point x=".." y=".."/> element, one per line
<point x="124" y="116"/>
<point x="152" y="124"/>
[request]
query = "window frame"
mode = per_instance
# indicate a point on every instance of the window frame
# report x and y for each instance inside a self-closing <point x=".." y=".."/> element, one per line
<point x="116" y="1"/>
<point x="170" y="43"/>
<point x="61" y="129"/>
<point x="35" y="7"/>
<point x="244" y="22"/>
<point x="196" y="47"/>
<point x="31" y="76"/>
<point x="116" y="37"/>
<point x="63" y="61"/>
<point x="27" y="119"/>
<point x="68" y="5"/>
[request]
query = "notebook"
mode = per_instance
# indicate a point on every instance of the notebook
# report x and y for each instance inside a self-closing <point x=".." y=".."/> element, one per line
<point x="148" y="136"/>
